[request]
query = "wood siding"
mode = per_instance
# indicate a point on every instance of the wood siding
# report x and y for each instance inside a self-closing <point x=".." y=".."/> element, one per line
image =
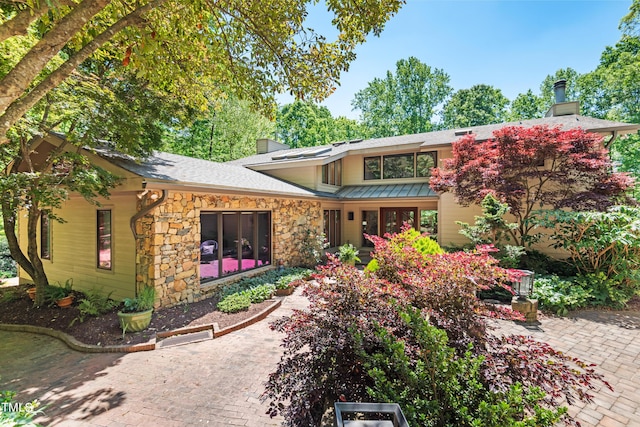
<point x="74" y="246"/>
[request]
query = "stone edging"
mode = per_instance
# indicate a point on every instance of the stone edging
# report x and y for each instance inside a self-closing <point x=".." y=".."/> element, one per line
<point x="149" y="345"/>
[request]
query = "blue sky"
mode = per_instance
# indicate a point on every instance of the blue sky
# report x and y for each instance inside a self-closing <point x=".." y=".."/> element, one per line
<point x="509" y="44"/>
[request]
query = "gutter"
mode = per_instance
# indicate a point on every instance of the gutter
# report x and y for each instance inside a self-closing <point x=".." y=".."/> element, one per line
<point x="144" y="211"/>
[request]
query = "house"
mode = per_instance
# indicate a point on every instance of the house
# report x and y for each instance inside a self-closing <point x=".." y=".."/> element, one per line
<point x="186" y="225"/>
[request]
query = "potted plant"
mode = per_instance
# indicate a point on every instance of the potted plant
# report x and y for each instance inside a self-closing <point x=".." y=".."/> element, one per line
<point x="284" y="287"/>
<point x="348" y="254"/>
<point x="136" y="312"/>
<point x="61" y="295"/>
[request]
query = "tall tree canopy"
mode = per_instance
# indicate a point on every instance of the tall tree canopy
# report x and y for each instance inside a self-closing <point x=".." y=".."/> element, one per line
<point x="526" y="106"/>
<point x="196" y="49"/>
<point x="229" y="132"/>
<point x="404" y="102"/>
<point x="478" y="105"/>
<point x="305" y="124"/>
<point x="612" y="90"/>
<point x="577" y="172"/>
<point x="120" y="69"/>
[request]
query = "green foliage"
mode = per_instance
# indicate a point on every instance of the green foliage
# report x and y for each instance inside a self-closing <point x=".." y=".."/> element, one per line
<point x="56" y="292"/>
<point x="8" y="295"/>
<point x="143" y="302"/>
<point x="479" y="105"/>
<point x="599" y="242"/>
<point x="561" y="295"/>
<point x="256" y="289"/>
<point x="438" y="389"/>
<point x="260" y="293"/>
<point x="491" y="227"/>
<point x="235" y="302"/>
<point x="305" y="124"/>
<point x="625" y="152"/>
<point x="609" y="291"/>
<point x="542" y="264"/>
<point x="8" y="266"/>
<point x="228" y="132"/>
<point x="95" y="303"/>
<point x="311" y="246"/>
<point x="348" y="254"/>
<point x="291" y="275"/>
<point x="404" y="102"/>
<point x="526" y="106"/>
<point x="416" y="337"/>
<point x="24" y="414"/>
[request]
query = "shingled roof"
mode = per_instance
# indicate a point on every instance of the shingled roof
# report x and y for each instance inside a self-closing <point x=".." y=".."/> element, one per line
<point x="185" y="171"/>
<point x="428" y="139"/>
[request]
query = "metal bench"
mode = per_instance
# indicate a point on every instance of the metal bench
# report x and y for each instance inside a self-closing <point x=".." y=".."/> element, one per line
<point x="369" y="408"/>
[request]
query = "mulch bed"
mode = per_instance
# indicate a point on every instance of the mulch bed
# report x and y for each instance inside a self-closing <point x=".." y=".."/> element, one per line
<point x="105" y="330"/>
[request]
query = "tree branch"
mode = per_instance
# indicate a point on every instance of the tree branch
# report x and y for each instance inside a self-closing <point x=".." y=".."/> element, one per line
<point x="31" y="65"/>
<point x="19" y="107"/>
<point x="19" y="24"/>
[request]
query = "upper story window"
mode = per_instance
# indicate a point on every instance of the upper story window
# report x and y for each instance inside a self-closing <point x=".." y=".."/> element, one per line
<point x="332" y="173"/>
<point x="394" y="166"/>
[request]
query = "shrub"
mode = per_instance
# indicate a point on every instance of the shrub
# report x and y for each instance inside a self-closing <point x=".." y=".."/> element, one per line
<point x="435" y="388"/>
<point x="370" y="336"/>
<point x="542" y="264"/>
<point x="608" y="291"/>
<point x="405" y="250"/>
<point x="598" y="242"/>
<point x="234" y="303"/>
<point x="560" y="296"/>
<point x="311" y="247"/>
<point x="8" y="266"/>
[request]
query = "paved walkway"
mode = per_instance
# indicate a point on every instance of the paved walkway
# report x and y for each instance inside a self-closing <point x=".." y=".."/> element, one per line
<point x="611" y="340"/>
<point x="218" y="382"/>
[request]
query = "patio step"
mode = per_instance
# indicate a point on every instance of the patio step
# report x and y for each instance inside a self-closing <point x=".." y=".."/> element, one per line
<point x="185" y="339"/>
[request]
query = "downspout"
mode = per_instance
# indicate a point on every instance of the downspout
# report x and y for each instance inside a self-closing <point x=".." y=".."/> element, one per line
<point x="145" y="211"/>
<point x="137" y="216"/>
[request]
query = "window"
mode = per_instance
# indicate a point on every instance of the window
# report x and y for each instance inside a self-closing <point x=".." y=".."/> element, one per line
<point x="372" y="167"/>
<point x="332" y="173"/>
<point x="232" y="242"/>
<point x="104" y="239"/>
<point x="397" y="166"/>
<point x="332" y="228"/>
<point x="45" y="236"/>
<point x="424" y="163"/>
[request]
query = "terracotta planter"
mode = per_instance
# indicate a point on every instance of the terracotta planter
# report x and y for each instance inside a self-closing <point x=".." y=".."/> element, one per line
<point x="65" y="302"/>
<point x="135" y="322"/>
<point x="32" y="293"/>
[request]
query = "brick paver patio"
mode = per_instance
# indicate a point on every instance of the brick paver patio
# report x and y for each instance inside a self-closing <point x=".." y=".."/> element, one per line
<point x="218" y="382"/>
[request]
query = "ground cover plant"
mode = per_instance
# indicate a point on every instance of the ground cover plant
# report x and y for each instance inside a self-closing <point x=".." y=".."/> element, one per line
<point x="412" y="331"/>
<point x="240" y="295"/>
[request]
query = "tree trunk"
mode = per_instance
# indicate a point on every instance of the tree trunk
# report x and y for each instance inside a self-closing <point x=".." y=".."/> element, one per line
<point x="39" y="276"/>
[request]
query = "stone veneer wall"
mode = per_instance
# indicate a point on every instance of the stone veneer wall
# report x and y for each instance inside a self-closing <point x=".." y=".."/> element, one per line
<point x="168" y="247"/>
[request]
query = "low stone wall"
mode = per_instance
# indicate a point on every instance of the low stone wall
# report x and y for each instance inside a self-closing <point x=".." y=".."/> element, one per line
<point x="168" y="247"/>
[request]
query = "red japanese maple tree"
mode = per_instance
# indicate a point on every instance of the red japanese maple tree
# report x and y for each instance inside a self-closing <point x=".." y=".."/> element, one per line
<point x="533" y="168"/>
